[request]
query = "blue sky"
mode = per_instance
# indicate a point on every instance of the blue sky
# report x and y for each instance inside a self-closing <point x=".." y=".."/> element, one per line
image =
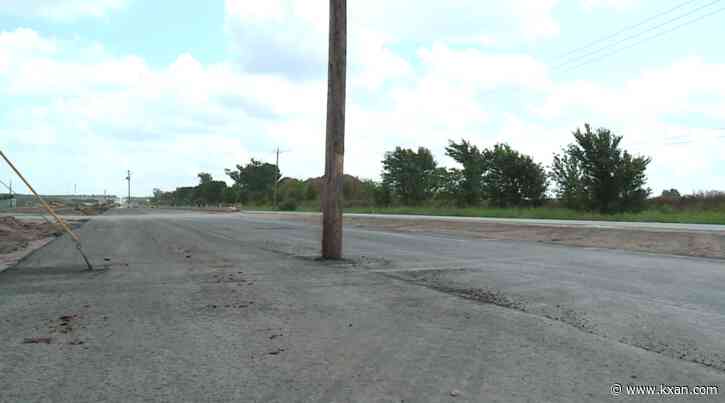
<point x="171" y="88"/>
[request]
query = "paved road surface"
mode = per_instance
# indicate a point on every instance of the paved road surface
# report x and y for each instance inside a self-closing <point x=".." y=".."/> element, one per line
<point x="649" y="226"/>
<point x="205" y="307"/>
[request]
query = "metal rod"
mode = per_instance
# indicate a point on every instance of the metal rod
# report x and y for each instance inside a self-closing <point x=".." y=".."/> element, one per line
<point x="50" y="211"/>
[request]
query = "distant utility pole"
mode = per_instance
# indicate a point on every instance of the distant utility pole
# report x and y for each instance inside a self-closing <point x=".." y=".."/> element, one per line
<point x="277" y="179"/>
<point x="335" y="142"/>
<point x="9" y="187"/>
<point x="128" y="178"/>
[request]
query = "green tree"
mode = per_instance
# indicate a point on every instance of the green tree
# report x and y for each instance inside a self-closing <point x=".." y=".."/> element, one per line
<point x="204" y="178"/>
<point x="311" y="191"/>
<point x="382" y="194"/>
<point x="349" y="188"/>
<point x="512" y="178"/>
<point x="410" y="174"/>
<point x="163" y="198"/>
<point x="595" y="173"/>
<point x="291" y="189"/>
<point x="451" y="189"/>
<point x="366" y="193"/>
<point x="474" y="165"/>
<point x="209" y="191"/>
<point x="672" y="193"/>
<point x="184" y="196"/>
<point x="631" y="181"/>
<point x="231" y="194"/>
<point x="158" y="195"/>
<point x="256" y="181"/>
<point x="567" y="173"/>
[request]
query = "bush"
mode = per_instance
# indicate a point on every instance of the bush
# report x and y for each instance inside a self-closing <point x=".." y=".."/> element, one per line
<point x="712" y="200"/>
<point x="289" y="205"/>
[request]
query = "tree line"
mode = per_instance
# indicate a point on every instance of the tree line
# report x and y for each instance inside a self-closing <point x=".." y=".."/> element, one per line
<point x="592" y="173"/>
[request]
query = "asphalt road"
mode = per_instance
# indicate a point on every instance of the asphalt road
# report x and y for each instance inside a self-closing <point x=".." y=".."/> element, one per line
<point x="649" y="226"/>
<point x="218" y="307"/>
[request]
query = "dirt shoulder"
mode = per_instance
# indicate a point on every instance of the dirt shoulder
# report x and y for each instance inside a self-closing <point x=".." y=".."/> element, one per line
<point x="62" y="210"/>
<point x="18" y="238"/>
<point x="683" y="243"/>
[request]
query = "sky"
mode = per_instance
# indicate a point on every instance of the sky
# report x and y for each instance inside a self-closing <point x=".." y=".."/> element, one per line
<point x="168" y="89"/>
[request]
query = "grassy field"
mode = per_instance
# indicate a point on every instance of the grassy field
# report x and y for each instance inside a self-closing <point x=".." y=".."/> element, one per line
<point x="691" y="217"/>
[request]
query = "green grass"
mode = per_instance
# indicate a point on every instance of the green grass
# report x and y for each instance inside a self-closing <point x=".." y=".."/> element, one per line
<point x="690" y="217"/>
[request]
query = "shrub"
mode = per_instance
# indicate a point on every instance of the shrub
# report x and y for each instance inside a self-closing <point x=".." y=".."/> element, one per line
<point x="289" y="205"/>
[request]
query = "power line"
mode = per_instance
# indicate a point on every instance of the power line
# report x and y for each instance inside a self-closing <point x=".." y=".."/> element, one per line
<point x="627" y="28"/>
<point x="638" y="34"/>
<point x="657" y="35"/>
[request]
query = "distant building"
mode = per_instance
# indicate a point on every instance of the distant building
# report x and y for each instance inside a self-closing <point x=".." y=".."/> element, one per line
<point x="136" y="202"/>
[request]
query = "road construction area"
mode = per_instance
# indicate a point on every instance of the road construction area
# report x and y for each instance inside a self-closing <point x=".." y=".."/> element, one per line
<point x="187" y="306"/>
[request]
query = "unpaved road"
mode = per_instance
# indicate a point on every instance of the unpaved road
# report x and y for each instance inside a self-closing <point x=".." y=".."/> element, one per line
<point x="200" y="307"/>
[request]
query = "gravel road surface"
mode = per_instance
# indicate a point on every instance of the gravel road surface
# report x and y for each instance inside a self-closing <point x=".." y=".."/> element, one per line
<point x="234" y="307"/>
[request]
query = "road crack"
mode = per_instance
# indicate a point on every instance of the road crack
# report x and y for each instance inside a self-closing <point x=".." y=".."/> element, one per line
<point x="431" y="279"/>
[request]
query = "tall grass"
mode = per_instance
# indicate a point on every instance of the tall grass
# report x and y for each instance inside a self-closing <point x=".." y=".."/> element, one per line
<point x="697" y="208"/>
<point x="550" y="213"/>
<point x="692" y="217"/>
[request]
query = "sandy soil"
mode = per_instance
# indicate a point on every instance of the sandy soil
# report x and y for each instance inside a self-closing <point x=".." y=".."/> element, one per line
<point x="20" y="237"/>
<point x="62" y="210"/>
<point x="675" y="243"/>
<point x="16" y="234"/>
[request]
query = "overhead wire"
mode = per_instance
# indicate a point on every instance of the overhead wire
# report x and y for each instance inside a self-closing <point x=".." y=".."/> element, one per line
<point x="649" y="38"/>
<point x="641" y="33"/>
<point x="629" y="27"/>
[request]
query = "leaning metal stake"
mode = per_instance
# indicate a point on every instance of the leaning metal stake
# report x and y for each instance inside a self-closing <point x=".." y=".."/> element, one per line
<point x="50" y="211"/>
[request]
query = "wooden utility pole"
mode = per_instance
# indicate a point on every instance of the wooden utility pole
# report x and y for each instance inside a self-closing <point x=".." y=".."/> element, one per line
<point x="277" y="178"/>
<point x="331" y="199"/>
<point x="276" y="181"/>
<point x="128" y="178"/>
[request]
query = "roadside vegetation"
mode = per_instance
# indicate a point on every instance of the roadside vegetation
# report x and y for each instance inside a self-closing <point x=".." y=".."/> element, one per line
<point x="592" y="178"/>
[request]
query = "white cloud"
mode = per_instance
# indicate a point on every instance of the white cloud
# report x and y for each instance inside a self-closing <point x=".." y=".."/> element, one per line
<point x="373" y="63"/>
<point x="420" y="73"/>
<point x="20" y="43"/>
<point x="614" y="4"/>
<point x="483" y="71"/>
<point x="643" y="110"/>
<point x="150" y="117"/>
<point x="652" y="95"/>
<point x="279" y="36"/>
<point x="535" y="19"/>
<point x="61" y="10"/>
<point x="429" y="20"/>
<point x="26" y="41"/>
<point x="290" y="36"/>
